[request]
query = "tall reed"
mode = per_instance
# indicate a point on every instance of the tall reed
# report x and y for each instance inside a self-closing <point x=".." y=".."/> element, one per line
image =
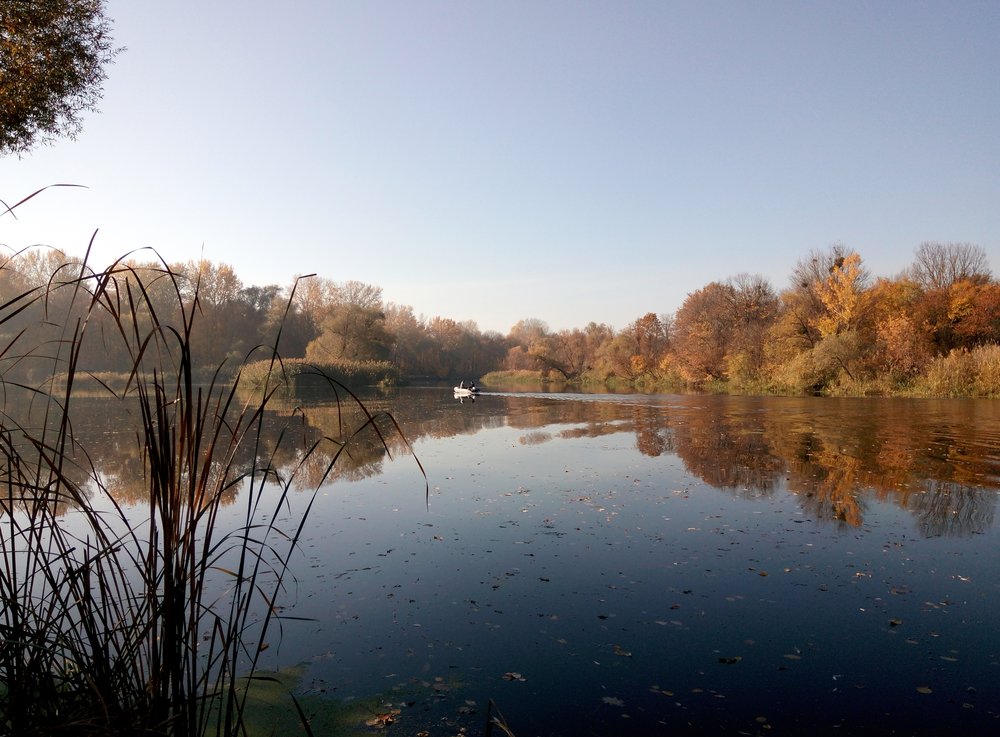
<point x="108" y="626"/>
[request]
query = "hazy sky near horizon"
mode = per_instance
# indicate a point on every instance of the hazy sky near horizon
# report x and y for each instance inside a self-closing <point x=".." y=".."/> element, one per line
<point x="566" y="161"/>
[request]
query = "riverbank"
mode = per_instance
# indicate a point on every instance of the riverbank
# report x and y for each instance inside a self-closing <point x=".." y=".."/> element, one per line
<point x="961" y="373"/>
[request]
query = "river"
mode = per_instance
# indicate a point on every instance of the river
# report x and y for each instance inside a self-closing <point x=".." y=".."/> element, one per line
<point x="635" y="564"/>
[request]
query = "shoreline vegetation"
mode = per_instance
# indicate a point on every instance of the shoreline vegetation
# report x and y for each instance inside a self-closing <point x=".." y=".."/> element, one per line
<point x="962" y="373"/>
<point x="932" y="330"/>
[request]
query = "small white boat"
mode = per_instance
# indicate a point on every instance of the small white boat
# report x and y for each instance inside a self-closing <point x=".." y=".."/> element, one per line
<point x="466" y="391"/>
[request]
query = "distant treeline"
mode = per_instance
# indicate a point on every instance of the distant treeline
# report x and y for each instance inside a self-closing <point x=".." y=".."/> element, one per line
<point x="933" y="329"/>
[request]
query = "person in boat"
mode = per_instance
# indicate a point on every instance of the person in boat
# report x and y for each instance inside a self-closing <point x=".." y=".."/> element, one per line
<point x="472" y="386"/>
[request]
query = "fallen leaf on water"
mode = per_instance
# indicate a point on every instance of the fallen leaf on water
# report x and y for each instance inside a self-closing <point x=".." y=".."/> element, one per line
<point x="623" y="653"/>
<point x="513" y="676"/>
<point x="895" y="622"/>
<point x="924" y="689"/>
<point x="613" y="700"/>
<point x="731" y="661"/>
<point x="380" y="721"/>
<point x="793" y="656"/>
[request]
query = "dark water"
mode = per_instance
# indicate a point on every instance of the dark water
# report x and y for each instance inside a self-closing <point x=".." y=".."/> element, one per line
<point x="625" y="564"/>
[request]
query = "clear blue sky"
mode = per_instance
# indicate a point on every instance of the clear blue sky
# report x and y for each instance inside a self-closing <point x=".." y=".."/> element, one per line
<point x="566" y="161"/>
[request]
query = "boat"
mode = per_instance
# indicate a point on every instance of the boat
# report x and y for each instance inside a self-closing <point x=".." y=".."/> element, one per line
<point x="466" y="391"/>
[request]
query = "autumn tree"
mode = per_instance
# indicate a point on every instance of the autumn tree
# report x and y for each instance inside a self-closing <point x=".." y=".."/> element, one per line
<point x="902" y="346"/>
<point x="408" y="341"/>
<point x="703" y="327"/>
<point x="526" y="331"/>
<point x="754" y="307"/>
<point x="587" y="348"/>
<point x="842" y="295"/>
<point x="453" y="348"/>
<point x="951" y="276"/>
<point x="53" y="57"/>
<point x="353" y="326"/>
<point x="520" y="338"/>
<point x="652" y="341"/>
<point x="37" y="291"/>
<point x="562" y="352"/>
<point x="974" y="313"/>
<point x="719" y="332"/>
<point x="618" y="356"/>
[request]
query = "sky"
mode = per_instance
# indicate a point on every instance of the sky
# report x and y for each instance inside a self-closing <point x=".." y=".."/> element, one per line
<point x="570" y="162"/>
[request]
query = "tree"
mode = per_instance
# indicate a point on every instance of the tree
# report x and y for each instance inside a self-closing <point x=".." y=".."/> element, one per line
<point x="526" y="331"/>
<point x="902" y="345"/>
<point x="353" y="326"/>
<point x="939" y="265"/>
<point x="842" y="294"/>
<point x="53" y="55"/>
<point x="703" y="328"/>
<point x="974" y="312"/>
<point x="755" y="309"/>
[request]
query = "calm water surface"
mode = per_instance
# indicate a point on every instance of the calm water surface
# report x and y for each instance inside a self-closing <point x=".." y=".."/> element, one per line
<point x="625" y="564"/>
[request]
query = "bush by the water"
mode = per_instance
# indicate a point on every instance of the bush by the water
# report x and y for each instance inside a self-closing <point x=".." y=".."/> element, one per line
<point x="295" y="374"/>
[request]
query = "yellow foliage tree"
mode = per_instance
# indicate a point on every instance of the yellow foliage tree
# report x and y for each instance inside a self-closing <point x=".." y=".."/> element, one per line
<point x="842" y="294"/>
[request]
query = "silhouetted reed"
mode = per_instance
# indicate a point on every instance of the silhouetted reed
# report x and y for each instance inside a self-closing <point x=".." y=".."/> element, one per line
<point x="109" y="626"/>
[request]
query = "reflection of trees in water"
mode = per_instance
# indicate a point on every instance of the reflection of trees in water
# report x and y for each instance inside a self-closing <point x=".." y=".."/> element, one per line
<point x="832" y="489"/>
<point x="30" y="433"/>
<point x="726" y="450"/>
<point x="317" y="442"/>
<point x="947" y="508"/>
<point x="653" y="435"/>
<point x="836" y="456"/>
<point x="839" y="454"/>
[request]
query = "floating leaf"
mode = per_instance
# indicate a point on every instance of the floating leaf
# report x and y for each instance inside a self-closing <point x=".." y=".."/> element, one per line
<point x="621" y="652"/>
<point x="381" y="721"/>
<point x="895" y="622"/>
<point x="924" y="689"/>
<point x="613" y="700"/>
<point x="731" y="661"/>
<point x="793" y="656"/>
<point x="513" y="676"/>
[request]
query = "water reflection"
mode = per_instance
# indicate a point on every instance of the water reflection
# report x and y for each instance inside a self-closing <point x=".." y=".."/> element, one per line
<point x="936" y="459"/>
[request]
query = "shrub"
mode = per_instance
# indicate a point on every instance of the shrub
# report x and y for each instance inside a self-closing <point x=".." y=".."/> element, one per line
<point x="949" y="376"/>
